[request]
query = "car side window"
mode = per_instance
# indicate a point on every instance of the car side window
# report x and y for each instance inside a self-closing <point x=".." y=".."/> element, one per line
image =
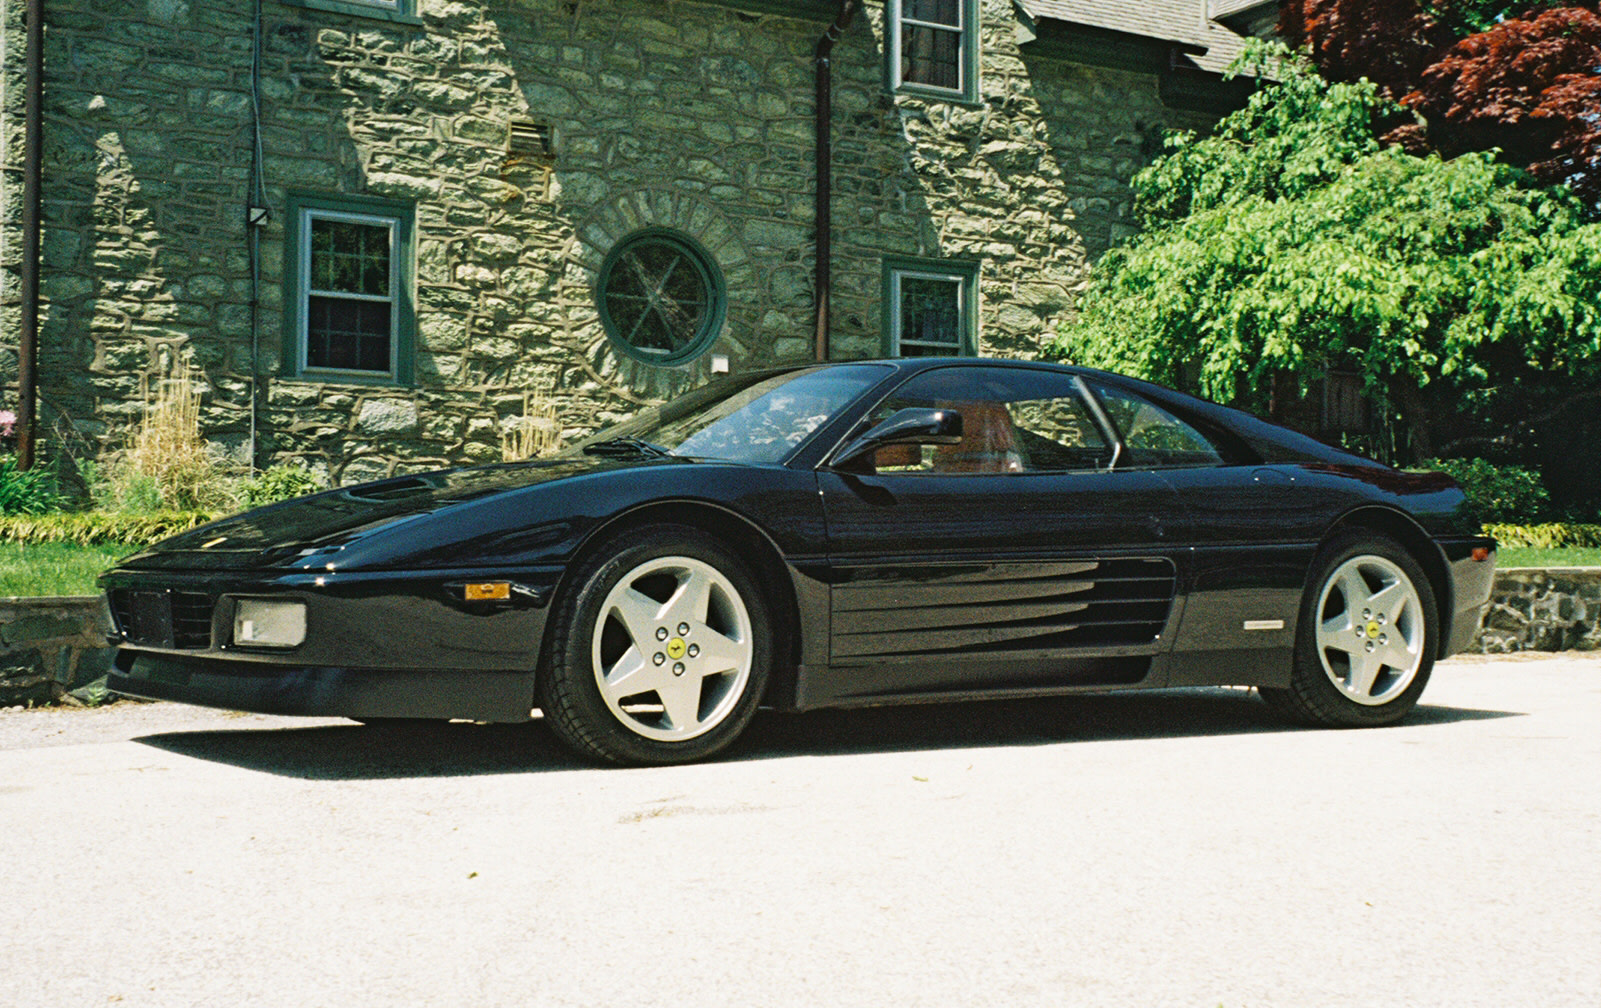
<point x="1152" y="437"/>
<point x="1014" y="420"/>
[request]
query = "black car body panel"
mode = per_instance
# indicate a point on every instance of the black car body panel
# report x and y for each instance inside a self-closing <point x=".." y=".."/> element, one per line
<point x="888" y="586"/>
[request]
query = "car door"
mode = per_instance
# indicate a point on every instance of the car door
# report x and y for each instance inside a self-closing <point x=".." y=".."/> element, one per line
<point x="1018" y="558"/>
<point x="1248" y="532"/>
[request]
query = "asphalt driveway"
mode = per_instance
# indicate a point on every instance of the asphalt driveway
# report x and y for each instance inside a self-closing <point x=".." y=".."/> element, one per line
<point x="1169" y="849"/>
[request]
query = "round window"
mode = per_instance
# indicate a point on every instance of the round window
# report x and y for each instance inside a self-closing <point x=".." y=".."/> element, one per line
<point x="661" y="297"/>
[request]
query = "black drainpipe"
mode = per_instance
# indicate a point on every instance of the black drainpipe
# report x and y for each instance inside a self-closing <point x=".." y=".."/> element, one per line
<point x="825" y="169"/>
<point x="33" y="157"/>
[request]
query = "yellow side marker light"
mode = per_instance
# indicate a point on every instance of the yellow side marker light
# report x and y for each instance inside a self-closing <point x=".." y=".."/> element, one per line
<point x="489" y="591"/>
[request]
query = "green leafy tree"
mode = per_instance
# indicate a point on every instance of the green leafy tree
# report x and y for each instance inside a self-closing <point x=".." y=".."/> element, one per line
<point x="1291" y="242"/>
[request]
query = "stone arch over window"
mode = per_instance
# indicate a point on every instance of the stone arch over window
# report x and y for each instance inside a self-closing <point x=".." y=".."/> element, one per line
<point x="664" y="217"/>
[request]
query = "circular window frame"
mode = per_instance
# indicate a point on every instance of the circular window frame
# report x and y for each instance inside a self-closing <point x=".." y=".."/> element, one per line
<point x="711" y="278"/>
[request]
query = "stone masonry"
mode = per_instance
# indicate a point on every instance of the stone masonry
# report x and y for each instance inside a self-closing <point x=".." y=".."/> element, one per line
<point x="51" y="648"/>
<point x="1543" y="610"/>
<point x="694" y="116"/>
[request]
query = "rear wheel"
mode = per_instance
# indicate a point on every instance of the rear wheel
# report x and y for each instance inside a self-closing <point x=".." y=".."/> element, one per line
<point x="1367" y="638"/>
<point x="659" y="650"/>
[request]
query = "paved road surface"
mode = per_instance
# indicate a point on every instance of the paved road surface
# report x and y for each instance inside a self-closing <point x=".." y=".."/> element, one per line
<point x="1139" y="850"/>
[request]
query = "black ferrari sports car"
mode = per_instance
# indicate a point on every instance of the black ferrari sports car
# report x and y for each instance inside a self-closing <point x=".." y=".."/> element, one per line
<point x="823" y="536"/>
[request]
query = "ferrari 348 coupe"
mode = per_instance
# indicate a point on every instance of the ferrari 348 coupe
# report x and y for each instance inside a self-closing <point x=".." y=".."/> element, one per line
<point x="824" y="536"/>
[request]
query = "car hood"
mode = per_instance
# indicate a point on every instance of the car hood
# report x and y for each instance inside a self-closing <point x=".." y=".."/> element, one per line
<point x="327" y="522"/>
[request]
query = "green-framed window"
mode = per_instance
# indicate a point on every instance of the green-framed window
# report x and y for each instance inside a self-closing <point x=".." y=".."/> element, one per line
<point x="930" y="307"/>
<point x="932" y="46"/>
<point x="403" y="11"/>
<point x="349" y="283"/>
<point x="661" y="297"/>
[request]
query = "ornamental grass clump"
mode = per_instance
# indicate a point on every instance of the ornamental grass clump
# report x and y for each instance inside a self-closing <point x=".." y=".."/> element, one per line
<point x="167" y="465"/>
<point x="537" y="432"/>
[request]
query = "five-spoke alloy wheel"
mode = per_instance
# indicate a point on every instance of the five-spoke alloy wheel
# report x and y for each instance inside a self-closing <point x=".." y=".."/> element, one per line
<point x="1367" y="638"/>
<point x="661" y="649"/>
<point x="672" y="648"/>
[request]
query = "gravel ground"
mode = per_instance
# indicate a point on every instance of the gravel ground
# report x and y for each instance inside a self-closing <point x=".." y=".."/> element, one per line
<point x="1166" y="849"/>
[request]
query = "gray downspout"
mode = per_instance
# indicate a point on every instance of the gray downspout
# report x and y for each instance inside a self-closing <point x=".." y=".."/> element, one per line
<point x="33" y="158"/>
<point x="825" y="170"/>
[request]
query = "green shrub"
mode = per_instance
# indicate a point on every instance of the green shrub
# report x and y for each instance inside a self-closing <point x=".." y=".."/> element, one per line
<point x="86" y="527"/>
<point x="28" y="491"/>
<point x="1497" y="493"/>
<point x="1552" y="535"/>
<point x="281" y="482"/>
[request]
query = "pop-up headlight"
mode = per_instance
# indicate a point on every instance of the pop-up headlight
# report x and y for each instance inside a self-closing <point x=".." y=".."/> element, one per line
<point x="269" y="623"/>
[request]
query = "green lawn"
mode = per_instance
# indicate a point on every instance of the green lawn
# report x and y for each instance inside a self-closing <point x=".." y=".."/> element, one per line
<point x="1529" y="556"/>
<point x="55" y="568"/>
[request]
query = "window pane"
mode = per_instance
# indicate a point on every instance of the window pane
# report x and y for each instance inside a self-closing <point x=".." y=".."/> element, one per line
<point x="945" y="12"/>
<point x="658" y="297"/>
<point x="931" y="56"/>
<point x="347" y="334"/>
<point x="930" y="316"/>
<point x="350" y="257"/>
<point x="1013" y="420"/>
<point x="748" y="418"/>
<point x="922" y="350"/>
<point x="1155" y="438"/>
<point x="1057" y="432"/>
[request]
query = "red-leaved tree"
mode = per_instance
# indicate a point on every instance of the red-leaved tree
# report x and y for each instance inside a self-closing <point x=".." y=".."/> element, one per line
<point x="1528" y="84"/>
<point x="1390" y="42"/>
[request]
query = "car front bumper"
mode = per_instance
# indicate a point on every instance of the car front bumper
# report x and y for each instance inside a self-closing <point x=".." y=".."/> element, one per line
<point x="378" y="644"/>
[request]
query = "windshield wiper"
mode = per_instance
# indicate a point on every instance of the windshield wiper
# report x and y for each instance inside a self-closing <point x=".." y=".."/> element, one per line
<point x="618" y="447"/>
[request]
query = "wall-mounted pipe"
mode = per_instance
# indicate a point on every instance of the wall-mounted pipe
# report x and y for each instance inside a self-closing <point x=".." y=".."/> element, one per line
<point x="825" y="171"/>
<point x="33" y="159"/>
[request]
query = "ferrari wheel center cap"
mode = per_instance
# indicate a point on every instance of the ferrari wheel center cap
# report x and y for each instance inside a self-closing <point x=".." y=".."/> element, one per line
<point x="675" y="648"/>
<point x="1373" y="630"/>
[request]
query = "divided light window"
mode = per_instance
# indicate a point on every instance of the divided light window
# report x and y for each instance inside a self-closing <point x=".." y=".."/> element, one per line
<point x="930" y="310"/>
<point x="349" y="286"/>
<point x="350" y="304"/>
<point x="934" y="45"/>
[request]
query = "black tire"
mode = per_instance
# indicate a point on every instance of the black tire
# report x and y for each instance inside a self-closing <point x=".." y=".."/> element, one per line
<point x="632" y="676"/>
<point x="1368" y="634"/>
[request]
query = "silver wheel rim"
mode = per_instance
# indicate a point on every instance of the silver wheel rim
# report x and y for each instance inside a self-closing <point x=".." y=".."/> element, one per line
<point x="672" y="649"/>
<point x="1370" y="630"/>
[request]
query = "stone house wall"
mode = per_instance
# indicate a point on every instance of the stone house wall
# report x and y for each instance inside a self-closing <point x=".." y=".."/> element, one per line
<point x="693" y="116"/>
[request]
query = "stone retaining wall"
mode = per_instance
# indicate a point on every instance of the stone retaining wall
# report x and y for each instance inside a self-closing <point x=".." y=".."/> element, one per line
<point x="1538" y="609"/>
<point x="54" y="648"/>
<point x="51" y="649"/>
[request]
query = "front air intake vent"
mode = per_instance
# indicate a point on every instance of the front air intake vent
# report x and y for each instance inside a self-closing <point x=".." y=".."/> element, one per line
<point x="163" y="618"/>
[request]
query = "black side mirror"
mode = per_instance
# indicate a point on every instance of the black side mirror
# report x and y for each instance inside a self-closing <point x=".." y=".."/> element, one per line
<point x="907" y="426"/>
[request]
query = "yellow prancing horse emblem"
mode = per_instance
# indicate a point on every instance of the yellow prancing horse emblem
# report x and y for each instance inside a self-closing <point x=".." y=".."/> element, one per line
<point x="1373" y="631"/>
<point x="675" y="648"/>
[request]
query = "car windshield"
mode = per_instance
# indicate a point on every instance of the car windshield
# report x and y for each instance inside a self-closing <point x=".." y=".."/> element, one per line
<point x="759" y="418"/>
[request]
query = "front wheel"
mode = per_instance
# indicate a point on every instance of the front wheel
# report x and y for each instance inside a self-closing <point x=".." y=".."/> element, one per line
<point x="660" y="649"/>
<point x="1367" y="639"/>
